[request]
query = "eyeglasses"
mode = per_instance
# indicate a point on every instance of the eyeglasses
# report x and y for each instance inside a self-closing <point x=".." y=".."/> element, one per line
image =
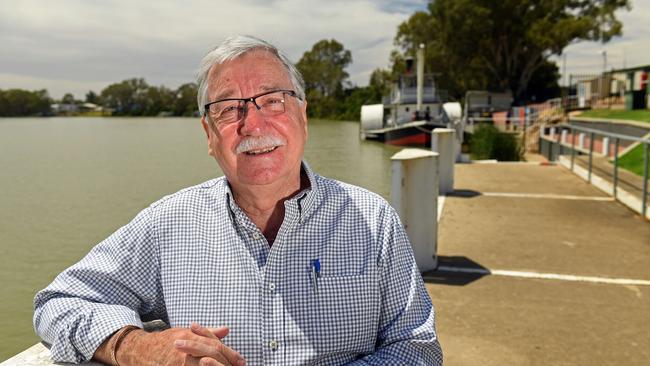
<point x="230" y="110"/>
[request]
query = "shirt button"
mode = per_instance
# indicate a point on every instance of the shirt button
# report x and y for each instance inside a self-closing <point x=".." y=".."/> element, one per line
<point x="256" y="236"/>
<point x="272" y="286"/>
<point x="273" y="345"/>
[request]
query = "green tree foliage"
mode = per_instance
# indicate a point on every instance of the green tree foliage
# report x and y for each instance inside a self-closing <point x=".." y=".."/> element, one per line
<point x="18" y="102"/>
<point x="503" y="44"/>
<point x="380" y="84"/>
<point x="92" y="97"/>
<point x="134" y="97"/>
<point x="323" y="69"/>
<point x="126" y="97"/>
<point x="329" y="93"/>
<point x="68" y="98"/>
<point x="185" y="102"/>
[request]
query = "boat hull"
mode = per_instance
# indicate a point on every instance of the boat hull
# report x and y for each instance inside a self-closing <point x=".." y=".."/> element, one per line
<point x="411" y="134"/>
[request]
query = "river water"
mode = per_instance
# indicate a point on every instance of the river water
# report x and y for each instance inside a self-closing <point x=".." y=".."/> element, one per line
<point x="67" y="183"/>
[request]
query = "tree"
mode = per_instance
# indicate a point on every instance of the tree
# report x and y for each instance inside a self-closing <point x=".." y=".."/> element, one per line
<point x="68" y="98"/>
<point x="323" y="69"/>
<point x="92" y="97"/>
<point x="502" y="44"/>
<point x="185" y="102"/>
<point x="380" y="84"/>
<point x="18" y="102"/>
<point x="157" y="100"/>
<point x="126" y="97"/>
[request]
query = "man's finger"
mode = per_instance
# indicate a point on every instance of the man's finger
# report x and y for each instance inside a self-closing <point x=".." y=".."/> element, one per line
<point x="207" y="361"/>
<point x="202" y="331"/>
<point x="220" y="332"/>
<point x="215" y="349"/>
<point x="200" y="349"/>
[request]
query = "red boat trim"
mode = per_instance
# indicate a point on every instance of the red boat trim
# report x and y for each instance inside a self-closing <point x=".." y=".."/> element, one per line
<point x="417" y="139"/>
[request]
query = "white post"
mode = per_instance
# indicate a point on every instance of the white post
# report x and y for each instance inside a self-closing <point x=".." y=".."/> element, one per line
<point x="414" y="195"/>
<point x="606" y="146"/>
<point x="564" y="135"/>
<point x="442" y="142"/>
<point x="581" y="140"/>
<point x="553" y="133"/>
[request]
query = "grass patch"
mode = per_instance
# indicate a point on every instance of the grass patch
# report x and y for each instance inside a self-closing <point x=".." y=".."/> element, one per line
<point x="633" y="160"/>
<point x="641" y="115"/>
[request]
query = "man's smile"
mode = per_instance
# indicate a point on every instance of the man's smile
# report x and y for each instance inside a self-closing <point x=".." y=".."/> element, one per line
<point x="261" y="151"/>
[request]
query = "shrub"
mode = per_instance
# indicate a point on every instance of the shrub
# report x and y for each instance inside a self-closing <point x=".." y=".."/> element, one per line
<point x="488" y="143"/>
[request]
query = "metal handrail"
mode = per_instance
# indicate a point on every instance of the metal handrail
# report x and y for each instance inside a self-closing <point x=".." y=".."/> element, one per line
<point x="617" y="137"/>
<point x="601" y="132"/>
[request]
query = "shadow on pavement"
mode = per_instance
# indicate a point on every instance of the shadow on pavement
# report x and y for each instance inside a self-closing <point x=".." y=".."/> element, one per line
<point x="447" y="272"/>
<point x="464" y="193"/>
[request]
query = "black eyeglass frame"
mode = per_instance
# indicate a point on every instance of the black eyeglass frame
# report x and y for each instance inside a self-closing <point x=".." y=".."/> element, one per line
<point x="252" y="99"/>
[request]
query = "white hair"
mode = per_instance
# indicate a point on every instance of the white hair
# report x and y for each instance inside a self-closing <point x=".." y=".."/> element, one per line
<point x="234" y="47"/>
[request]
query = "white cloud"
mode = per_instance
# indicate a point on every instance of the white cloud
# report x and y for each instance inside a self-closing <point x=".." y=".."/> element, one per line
<point x="96" y="43"/>
<point x="631" y="49"/>
<point x="77" y="45"/>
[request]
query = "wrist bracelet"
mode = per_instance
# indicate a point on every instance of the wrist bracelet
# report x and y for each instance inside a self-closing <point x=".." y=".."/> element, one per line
<point x="116" y="339"/>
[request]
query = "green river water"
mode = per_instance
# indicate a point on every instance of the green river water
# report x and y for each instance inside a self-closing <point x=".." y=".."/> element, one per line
<point x="67" y="183"/>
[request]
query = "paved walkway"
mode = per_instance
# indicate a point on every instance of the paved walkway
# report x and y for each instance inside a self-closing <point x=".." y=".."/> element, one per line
<point x="570" y="271"/>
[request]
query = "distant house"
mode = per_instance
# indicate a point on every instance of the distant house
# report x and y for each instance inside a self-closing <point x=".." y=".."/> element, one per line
<point x="64" y="108"/>
<point x="626" y="87"/>
<point x="73" y="108"/>
<point x="90" y="107"/>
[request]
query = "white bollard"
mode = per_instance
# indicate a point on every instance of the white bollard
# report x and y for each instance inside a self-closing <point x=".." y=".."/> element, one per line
<point x="442" y="142"/>
<point x="414" y="195"/>
<point x="581" y="140"/>
<point x="606" y="146"/>
<point x="564" y="136"/>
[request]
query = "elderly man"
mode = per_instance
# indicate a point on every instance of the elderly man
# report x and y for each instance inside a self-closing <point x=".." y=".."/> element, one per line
<point x="270" y="265"/>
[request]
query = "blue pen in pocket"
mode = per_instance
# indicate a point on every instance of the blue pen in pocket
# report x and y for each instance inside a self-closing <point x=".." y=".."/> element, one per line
<point x="315" y="273"/>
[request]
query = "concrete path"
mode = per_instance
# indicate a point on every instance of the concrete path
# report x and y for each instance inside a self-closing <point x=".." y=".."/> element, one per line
<point x="570" y="271"/>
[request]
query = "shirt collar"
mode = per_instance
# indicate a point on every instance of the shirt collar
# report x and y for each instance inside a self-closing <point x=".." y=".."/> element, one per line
<point x="306" y="198"/>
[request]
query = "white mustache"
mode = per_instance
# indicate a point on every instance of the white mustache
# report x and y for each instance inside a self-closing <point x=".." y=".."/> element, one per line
<point x="258" y="143"/>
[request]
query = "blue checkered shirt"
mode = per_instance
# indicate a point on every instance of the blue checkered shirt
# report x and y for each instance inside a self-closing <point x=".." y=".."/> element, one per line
<point x="194" y="256"/>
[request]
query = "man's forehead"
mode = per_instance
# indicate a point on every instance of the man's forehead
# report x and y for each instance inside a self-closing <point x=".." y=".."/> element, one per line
<point x="259" y="68"/>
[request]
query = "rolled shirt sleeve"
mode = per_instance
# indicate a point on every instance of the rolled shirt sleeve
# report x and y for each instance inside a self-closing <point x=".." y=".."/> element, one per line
<point x="105" y="291"/>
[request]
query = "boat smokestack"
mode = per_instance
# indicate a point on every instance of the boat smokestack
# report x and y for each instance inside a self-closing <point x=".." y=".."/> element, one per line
<point x="420" y="76"/>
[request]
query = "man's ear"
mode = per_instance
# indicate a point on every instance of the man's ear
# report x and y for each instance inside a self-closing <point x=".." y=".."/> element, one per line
<point x="206" y="127"/>
<point x="304" y="116"/>
<point x="304" y="110"/>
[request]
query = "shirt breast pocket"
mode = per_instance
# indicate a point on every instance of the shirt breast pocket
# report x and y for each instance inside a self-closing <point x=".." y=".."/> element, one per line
<point x="348" y="311"/>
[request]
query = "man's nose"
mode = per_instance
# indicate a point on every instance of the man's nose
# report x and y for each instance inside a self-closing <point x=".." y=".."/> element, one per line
<point x="253" y="120"/>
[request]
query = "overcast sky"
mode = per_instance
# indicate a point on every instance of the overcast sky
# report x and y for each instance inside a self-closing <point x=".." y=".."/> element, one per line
<point x="80" y="45"/>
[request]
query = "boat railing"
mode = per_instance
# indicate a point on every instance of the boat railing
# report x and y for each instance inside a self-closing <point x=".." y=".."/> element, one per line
<point x="409" y="96"/>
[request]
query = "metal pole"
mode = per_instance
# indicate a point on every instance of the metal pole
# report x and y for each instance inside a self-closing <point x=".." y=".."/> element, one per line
<point x="644" y="198"/>
<point x="524" y="137"/>
<point x="420" y="77"/>
<point x="573" y="147"/>
<point x="591" y="154"/>
<point x="615" y="166"/>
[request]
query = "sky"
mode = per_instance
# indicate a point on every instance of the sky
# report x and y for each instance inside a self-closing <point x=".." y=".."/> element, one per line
<point x="80" y="45"/>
